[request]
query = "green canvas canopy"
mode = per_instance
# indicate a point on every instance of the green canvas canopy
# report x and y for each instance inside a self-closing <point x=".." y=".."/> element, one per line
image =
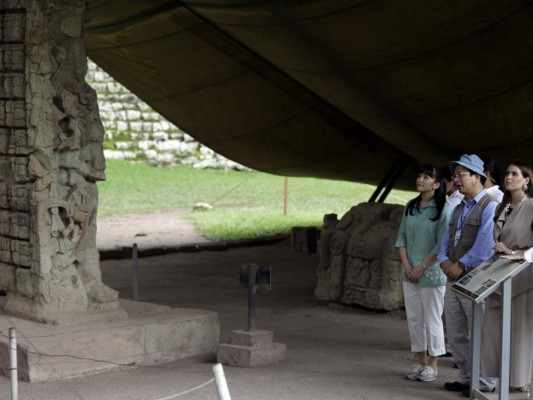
<point x="342" y="89"/>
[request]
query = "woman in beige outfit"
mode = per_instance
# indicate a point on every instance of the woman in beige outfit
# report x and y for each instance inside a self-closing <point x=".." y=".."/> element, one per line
<point x="513" y="233"/>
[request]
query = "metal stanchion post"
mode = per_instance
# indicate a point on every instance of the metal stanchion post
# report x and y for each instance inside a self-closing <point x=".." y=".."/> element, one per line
<point x="220" y="381"/>
<point x="13" y="364"/>
<point x="135" y="271"/>
<point x="252" y="272"/>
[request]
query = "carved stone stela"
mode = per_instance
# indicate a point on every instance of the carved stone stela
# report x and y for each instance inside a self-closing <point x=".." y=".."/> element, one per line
<point x="51" y="156"/>
<point x="358" y="263"/>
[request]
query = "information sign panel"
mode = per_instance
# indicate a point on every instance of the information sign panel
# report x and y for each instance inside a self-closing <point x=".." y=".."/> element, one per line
<point x="479" y="283"/>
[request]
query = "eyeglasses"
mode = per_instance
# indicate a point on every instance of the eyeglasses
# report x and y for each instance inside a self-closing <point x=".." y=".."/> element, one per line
<point x="460" y="175"/>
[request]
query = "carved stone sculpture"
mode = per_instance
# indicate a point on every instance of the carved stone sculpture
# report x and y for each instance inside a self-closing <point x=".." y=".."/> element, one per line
<point x="323" y="269"/>
<point x="358" y="263"/>
<point x="51" y="156"/>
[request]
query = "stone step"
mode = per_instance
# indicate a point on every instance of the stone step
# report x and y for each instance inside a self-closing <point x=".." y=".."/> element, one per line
<point x="256" y="338"/>
<point x="152" y="334"/>
<point x="250" y="356"/>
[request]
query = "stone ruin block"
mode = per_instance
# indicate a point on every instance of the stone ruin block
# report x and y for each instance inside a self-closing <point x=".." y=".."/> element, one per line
<point x="369" y="244"/>
<point x="20" y="226"/>
<point x="21" y="253"/>
<point x="12" y="85"/>
<point x="19" y="166"/>
<point x="357" y="272"/>
<point x="4" y="198"/>
<point x="358" y="264"/>
<point x="336" y="274"/>
<point x="19" y="142"/>
<point x="24" y="280"/>
<point x="5" y="140"/>
<point x="19" y="197"/>
<point x="12" y="57"/>
<point x="354" y="295"/>
<point x="13" y="26"/>
<point x="15" y="224"/>
<point x="5" y="222"/>
<point x="5" y="250"/>
<point x="7" y="277"/>
<point x="13" y="114"/>
<point x="339" y="241"/>
<point x="376" y="274"/>
<point x="48" y="255"/>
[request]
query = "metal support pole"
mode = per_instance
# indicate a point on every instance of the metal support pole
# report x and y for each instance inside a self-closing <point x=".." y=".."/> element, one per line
<point x="220" y="382"/>
<point x="135" y="272"/>
<point x="475" y="345"/>
<point x="286" y="197"/>
<point x="13" y="364"/>
<point x="252" y="272"/>
<point x="390" y="178"/>
<point x="397" y="173"/>
<point x="506" y="339"/>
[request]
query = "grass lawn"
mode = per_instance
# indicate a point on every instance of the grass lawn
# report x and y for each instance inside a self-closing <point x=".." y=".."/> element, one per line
<point x="246" y="204"/>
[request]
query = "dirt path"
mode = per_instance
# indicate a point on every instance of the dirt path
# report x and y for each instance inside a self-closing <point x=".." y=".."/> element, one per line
<point x="164" y="228"/>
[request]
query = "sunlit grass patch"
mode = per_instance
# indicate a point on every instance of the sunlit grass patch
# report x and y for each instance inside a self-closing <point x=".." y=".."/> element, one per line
<point x="246" y="204"/>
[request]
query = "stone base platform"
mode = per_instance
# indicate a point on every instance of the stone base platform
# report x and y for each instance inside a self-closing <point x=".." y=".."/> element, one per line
<point x="150" y="335"/>
<point x="251" y="349"/>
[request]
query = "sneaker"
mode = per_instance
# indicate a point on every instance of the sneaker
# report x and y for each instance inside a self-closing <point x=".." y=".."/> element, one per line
<point x="427" y="374"/>
<point x="413" y="375"/>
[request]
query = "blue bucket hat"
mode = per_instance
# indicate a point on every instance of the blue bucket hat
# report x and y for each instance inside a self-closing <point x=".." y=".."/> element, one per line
<point x="470" y="162"/>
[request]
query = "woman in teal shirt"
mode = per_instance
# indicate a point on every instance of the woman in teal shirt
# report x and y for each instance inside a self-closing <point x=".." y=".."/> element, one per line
<point x="424" y="284"/>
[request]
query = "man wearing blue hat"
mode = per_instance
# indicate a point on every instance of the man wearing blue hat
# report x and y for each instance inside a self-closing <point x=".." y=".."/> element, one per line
<point x="467" y="243"/>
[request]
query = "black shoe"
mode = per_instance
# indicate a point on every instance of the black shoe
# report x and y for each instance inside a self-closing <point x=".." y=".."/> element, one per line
<point x="467" y="390"/>
<point x="457" y="387"/>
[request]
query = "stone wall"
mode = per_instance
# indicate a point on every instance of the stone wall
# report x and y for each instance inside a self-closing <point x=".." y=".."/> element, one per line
<point x="357" y="261"/>
<point x="134" y="131"/>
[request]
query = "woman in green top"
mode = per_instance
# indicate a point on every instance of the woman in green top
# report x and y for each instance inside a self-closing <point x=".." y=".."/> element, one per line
<point x="424" y="284"/>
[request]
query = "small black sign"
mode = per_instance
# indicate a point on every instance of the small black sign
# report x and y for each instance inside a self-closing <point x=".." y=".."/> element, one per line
<point x="263" y="276"/>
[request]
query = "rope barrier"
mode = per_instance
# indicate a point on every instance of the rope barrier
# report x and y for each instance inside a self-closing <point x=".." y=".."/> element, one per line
<point x="219" y="378"/>
<point x="189" y="391"/>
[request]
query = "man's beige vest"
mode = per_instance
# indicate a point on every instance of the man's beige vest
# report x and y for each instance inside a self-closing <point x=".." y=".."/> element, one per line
<point x="469" y="229"/>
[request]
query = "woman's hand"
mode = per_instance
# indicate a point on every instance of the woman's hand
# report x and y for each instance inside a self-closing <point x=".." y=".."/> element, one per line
<point x="501" y="248"/>
<point x="417" y="272"/>
<point x="518" y="256"/>
<point x="407" y="270"/>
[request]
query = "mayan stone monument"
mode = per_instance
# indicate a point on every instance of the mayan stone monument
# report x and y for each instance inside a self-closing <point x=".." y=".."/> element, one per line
<point x="358" y="263"/>
<point x="51" y="157"/>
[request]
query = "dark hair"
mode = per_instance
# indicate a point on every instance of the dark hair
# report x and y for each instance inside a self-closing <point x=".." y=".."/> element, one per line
<point x="440" y="193"/>
<point x="490" y="165"/>
<point x="446" y="173"/>
<point x="526" y="173"/>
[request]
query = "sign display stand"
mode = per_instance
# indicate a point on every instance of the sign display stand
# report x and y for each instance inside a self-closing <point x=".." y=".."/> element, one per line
<point x="493" y="277"/>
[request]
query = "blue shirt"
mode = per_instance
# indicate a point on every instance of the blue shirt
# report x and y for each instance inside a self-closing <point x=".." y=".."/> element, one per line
<point x="483" y="247"/>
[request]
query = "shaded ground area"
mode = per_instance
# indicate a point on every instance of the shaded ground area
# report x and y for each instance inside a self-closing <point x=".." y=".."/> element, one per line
<point x="332" y="352"/>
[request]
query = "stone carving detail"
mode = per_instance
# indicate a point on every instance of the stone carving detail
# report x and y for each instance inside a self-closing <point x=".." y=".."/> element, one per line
<point x="12" y="57"/>
<point x="12" y="26"/>
<point x="51" y="156"/>
<point x="357" y="261"/>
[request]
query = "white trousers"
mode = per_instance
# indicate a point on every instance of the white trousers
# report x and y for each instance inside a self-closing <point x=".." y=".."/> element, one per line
<point x="423" y="308"/>
<point x="458" y="311"/>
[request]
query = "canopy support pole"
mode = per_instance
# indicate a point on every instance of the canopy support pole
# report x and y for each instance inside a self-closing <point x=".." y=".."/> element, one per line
<point x="390" y="178"/>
